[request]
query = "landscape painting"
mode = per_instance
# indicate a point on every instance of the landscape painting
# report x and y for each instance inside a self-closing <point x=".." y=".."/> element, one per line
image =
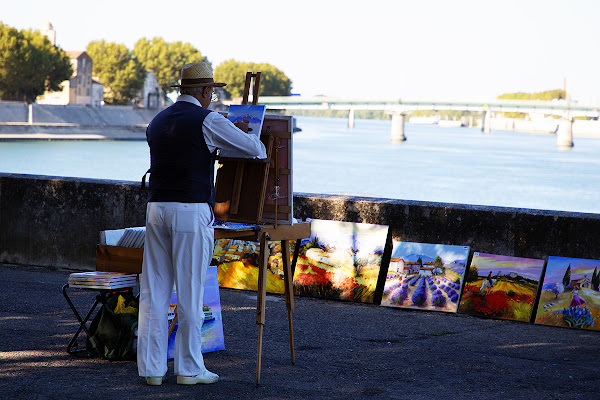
<point x="425" y="276"/>
<point x="212" y="328"/>
<point x="501" y="286"/>
<point x="570" y="295"/>
<point x="341" y="261"/>
<point x="237" y="263"/>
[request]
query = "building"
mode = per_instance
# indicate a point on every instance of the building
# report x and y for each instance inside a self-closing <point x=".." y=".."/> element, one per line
<point x="584" y="282"/>
<point x="48" y="31"/>
<point x="151" y="94"/>
<point x="80" y="89"/>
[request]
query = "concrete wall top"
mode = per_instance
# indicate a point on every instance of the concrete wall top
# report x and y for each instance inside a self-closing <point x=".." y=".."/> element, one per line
<point x="76" y="114"/>
<point x="56" y="221"/>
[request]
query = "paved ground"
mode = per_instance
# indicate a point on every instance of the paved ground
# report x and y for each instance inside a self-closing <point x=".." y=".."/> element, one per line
<point x="343" y="351"/>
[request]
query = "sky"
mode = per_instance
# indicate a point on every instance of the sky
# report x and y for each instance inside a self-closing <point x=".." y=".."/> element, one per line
<point x="526" y="267"/>
<point x="395" y="49"/>
<point x="580" y="267"/>
<point x="448" y="253"/>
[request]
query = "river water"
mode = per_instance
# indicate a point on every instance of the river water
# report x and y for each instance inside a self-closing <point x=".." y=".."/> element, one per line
<point x="455" y="165"/>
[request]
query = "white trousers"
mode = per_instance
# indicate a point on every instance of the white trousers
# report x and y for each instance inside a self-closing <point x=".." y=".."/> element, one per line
<point x="178" y="249"/>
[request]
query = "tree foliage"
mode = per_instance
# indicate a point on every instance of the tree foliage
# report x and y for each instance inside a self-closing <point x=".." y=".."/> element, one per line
<point x="165" y="59"/>
<point x="567" y="277"/>
<point x="122" y="75"/>
<point x="557" y="94"/>
<point x="30" y="65"/>
<point x="472" y="274"/>
<point x="273" y="82"/>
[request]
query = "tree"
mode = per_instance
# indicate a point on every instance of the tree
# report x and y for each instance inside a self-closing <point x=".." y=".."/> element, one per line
<point x="122" y="75"/>
<point x="273" y="82"/>
<point x="30" y="65"/>
<point x="557" y="288"/>
<point x="472" y="274"/>
<point x="567" y="277"/>
<point x="165" y="59"/>
<point x="595" y="279"/>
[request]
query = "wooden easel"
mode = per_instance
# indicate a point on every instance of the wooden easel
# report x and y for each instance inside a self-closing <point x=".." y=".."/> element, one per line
<point x="237" y="179"/>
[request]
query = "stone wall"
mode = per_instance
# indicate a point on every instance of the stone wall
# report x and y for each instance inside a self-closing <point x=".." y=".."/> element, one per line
<point x="55" y="222"/>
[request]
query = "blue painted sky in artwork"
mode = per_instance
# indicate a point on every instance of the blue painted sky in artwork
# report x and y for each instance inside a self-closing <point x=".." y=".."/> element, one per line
<point x="410" y="251"/>
<point x="556" y="267"/>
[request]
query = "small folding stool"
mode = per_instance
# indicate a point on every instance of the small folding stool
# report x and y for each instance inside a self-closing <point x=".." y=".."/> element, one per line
<point x="101" y="299"/>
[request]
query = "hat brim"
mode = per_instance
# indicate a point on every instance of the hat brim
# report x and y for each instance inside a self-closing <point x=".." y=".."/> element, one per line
<point x="211" y="84"/>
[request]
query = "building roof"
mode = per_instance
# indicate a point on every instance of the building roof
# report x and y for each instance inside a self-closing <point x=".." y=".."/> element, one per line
<point x="75" y="54"/>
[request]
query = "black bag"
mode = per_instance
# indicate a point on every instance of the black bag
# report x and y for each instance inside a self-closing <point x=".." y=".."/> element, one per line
<point x="114" y="336"/>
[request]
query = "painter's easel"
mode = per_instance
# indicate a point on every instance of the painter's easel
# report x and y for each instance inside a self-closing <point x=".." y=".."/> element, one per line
<point x="241" y="190"/>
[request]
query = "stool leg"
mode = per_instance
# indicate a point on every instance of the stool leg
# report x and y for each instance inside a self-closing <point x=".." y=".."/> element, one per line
<point x="82" y="321"/>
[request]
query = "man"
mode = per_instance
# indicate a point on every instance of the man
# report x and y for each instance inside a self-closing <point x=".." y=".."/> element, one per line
<point x="183" y="140"/>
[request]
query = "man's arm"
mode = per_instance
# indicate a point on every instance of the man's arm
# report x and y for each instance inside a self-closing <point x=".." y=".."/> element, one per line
<point x="221" y="133"/>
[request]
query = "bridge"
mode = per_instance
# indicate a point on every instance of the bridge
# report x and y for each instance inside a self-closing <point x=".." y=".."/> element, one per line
<point x="398" y="108"/>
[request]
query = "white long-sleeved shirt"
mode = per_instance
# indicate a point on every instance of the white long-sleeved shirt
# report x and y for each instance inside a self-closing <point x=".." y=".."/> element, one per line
<point x="221" y="133"/>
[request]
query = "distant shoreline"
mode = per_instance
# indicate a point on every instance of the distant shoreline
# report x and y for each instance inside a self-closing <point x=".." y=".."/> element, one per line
<point x="62" y="131"/>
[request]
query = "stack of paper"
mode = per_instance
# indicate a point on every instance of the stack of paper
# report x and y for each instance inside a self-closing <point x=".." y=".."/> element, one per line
<point x="133" y="237"/>
<point x="101" y="280"/>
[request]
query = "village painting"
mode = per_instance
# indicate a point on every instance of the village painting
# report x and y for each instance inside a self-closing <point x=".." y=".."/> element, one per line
<point x="570" y="295"/>
<point x="237" y="263"/>
<point x="425" y="276"/>
<point x="341" y="261"/>
<point x="501" y="286"/>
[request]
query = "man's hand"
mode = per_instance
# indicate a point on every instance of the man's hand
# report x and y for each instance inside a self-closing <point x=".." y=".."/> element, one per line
<point x="243" y="125"/>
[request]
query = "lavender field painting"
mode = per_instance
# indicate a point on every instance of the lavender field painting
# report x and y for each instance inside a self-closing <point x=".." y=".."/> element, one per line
<point x="425" y="276"/>
<point x="570" y="295"/>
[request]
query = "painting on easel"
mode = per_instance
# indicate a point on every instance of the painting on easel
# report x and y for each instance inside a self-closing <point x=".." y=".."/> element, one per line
<point x="237" y="263"/>
<point x="570" y="295"/>
<point x="501" y="286"/>
<point x="253" y="115"/>
<point x="425" y="276"/>
<point x="341" y="260"/>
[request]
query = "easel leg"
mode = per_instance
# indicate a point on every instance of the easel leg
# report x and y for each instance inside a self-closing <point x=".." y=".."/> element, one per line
<point x="289" y="292"/>
<point x="261" y="298"/>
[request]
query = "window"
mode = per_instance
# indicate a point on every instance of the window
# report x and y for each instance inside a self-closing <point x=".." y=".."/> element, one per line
<point x="87" y="92"/>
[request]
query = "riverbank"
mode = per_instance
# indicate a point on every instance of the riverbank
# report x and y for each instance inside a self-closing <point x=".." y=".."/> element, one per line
<point x="65" y="131"/>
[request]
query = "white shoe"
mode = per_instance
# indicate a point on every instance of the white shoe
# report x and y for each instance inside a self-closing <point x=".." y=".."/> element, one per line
<point x="154" y="380"/>
<point x="206" y="377"/>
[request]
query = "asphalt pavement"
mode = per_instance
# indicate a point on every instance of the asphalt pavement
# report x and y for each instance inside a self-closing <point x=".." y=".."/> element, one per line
<point x="343" y="351"/>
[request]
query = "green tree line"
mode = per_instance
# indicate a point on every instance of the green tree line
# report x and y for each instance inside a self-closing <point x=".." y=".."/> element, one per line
<point x="30" y="65"/>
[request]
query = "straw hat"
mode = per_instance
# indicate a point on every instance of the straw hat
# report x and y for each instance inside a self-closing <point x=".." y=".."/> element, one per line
<point x="197" y="75"/>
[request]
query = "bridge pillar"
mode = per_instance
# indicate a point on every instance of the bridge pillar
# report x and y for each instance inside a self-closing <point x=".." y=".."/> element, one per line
<point x="398" y="128"/>
<point x="351" y="118"/>
<point x="486" y="120"/>
<point x="564" y="134"/>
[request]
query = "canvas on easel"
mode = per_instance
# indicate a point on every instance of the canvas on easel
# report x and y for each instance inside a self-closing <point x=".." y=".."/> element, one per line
<point x="252" y="114"/>
<point x="253" y="191"/>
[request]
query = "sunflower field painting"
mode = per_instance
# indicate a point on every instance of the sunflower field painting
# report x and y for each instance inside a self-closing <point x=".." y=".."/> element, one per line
<point x="237" y="263"/>
<point x="341" y="261"/>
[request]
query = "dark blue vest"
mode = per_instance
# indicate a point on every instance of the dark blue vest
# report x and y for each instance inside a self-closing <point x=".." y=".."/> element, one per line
<point x="181" y="166"/>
